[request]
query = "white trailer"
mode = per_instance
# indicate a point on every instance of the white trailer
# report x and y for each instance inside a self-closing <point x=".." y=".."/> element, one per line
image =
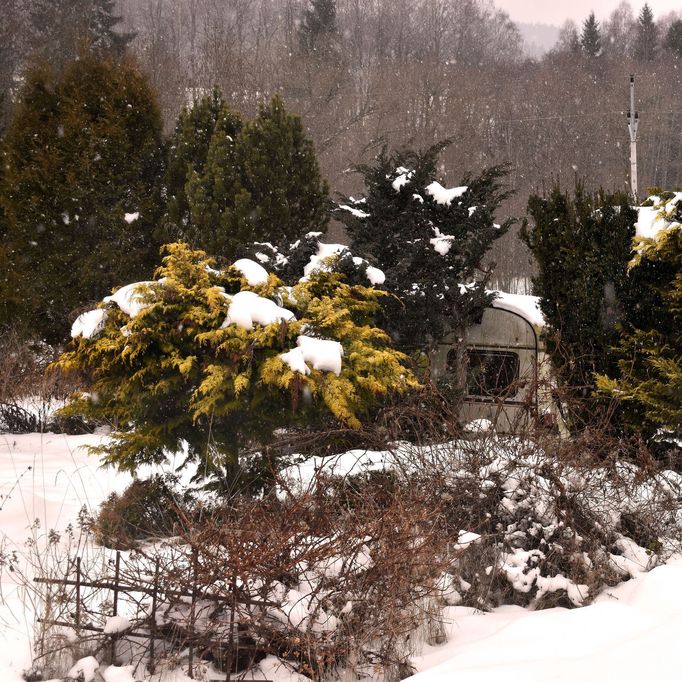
<point x="507" y="369"/>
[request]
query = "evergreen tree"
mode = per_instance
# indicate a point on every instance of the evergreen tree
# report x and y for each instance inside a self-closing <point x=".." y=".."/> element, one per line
<point x="59" y="30"/>
<point x="221" y="382"/>
<point x="673" y="39"/>
<point x="646" y="41"/>
<point x="318" y="33"/>
<point x="188" y="151"/>
<point x="590" y="38"/>
<point x="428" y="241"/>
<point x="83" y="157"/>
<point x="262" y="185"/>
<point x="581" y="245"/>
<point x="648" y="385"/>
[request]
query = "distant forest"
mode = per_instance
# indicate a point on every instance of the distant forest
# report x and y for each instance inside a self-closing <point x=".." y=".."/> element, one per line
<point x="365" y="74"/>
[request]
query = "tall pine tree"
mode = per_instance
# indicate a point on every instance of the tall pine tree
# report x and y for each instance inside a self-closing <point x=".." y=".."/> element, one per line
<point x="590" y="38"/>
<point x="646" y="40"/>
<point x="318" y="32"/>
<point x="83" y="158"/>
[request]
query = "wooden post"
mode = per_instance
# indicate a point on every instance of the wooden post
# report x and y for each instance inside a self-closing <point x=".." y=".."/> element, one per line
<point x="117" y="574"/>
<point x="152" y="625"/>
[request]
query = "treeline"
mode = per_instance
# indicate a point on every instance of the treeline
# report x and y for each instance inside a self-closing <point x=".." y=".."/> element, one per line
<point x="364" y="74"/>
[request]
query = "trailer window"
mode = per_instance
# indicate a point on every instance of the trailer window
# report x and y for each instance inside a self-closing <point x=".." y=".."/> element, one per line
<point x="492" y="373"/>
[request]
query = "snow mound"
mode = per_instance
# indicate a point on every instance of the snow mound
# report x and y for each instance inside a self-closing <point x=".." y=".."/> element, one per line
<point x="253" y="272"/>
<point x="404" y="176"/>
<point x="131" y="217"/>
<point x="317" y="262"/>
<point x="247" y="308"/>
<point x="442" y="195"/>
<point x="119" y="674"/>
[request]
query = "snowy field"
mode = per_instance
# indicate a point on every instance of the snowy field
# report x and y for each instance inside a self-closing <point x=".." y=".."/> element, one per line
<point x="630" y="633"/>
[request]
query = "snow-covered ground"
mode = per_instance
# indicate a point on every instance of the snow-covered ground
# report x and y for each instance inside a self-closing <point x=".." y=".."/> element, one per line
<point x="630" y="633"/>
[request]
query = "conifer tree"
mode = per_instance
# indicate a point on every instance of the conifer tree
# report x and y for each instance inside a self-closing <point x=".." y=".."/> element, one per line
<point x="60" y="29"/>
<point x="646" y="41"/>
<point x="673" y="39"/>
<point x="261" y="182"/>
<point x="648" y="384"/>
<point x="188" y="150"/>
<point x="318" y="32"/>
<point x="581" y="245"/>
<point x="83" y="159"/>
<point x="590" y="38"/>
<point x="223" y="381"/>
<point x="428" y="241"/>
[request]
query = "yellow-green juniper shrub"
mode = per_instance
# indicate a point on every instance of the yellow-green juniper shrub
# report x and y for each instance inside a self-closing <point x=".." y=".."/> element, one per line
<point x="175" y="378"/>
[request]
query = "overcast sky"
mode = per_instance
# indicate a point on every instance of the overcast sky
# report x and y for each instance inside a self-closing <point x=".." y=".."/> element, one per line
<point x="557" y="11"/>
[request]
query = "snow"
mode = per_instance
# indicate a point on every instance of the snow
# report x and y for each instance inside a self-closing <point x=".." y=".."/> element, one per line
<point x="129" y="298"/>
<point x="631" y="632"/>
<point x="321" y="354"/>
<point x="294" y="358"/>
<point x="404" y="175"/>
<point x="354" y="211"/>
<point x="116" y="624"/>
<point x="324" y="251"/>
<point x="317" y="263"/>
<point x="89" y="324"/>
<point x="86" y="668"/>
<point x="526" y="306"/>
<point x="247" y="308"/>
<point x="444" y="196"/>
<point x="119" y="674"/>
<point x="375" y="276"/>
<point x="651" y="220"/>
<point x="131" y="217"/>
<point x="442" y="245"/>
<point x="253" y="272"/>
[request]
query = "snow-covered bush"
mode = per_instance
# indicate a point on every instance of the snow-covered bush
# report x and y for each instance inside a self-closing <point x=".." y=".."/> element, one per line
<point x="209" y="363"/>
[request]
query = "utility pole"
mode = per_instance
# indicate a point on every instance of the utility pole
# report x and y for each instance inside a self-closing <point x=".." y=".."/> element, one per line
<point x="633" y="124"/>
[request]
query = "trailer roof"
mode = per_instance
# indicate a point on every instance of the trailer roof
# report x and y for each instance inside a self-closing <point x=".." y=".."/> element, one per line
<point x="527" y="307"/>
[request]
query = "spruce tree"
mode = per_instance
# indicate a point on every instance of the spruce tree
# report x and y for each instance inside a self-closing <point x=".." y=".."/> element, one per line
<point x="590" y="38"/>
<point x="83" y="159"/>
<point x="428" y="241"/>
<point x="648" y="384"/>
<point x="318" y="32"/>
<point x="646" y="41"/>
<point x="581" y="245"/>
<point x="673" y="39"/>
